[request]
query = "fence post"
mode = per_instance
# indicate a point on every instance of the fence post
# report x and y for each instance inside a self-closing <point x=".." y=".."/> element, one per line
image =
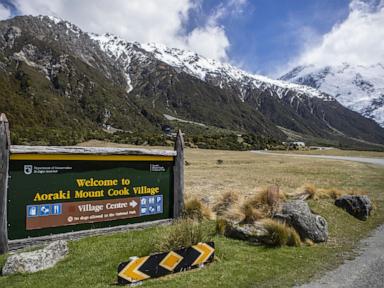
<point x="5" y="143"/>
<point x="178" y="176"/>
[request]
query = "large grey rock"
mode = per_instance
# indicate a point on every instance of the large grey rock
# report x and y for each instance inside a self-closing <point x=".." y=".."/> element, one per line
<point x="297" y="214"/>
<point x="29" y="262"/>
<point x="358" y="206"/>
<point x="247" y="232"/>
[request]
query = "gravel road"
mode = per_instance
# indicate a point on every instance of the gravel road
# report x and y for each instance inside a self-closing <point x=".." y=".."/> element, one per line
<point x="377" y="161"/>
<point x="367" y="269"/>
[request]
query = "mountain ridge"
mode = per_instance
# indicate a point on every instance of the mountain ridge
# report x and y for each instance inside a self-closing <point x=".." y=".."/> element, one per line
<point x="130" y="87"/>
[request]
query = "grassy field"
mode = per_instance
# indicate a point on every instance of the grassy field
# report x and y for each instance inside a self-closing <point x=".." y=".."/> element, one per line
<point x="93" y="261"/>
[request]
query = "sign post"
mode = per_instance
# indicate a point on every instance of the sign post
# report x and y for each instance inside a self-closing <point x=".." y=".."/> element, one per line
<point x="179" y="175"/>
<point x="5" y="143"/>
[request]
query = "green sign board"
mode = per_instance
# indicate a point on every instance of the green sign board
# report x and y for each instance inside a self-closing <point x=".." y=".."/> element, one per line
<point x="50" y="193"/>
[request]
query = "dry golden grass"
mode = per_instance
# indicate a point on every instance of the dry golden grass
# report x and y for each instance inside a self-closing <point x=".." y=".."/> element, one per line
<point x="194" y="209"/>
<point x="247" y="172"/>
<point x="243" y="213"/>
<point x="280" y="234"/>
<point x="310" y="191"/>
<point x="226" y="202"/>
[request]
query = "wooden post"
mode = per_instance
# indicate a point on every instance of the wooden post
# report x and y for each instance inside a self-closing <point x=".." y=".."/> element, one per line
<point x="5" y="143"/>
<point x="178" y="174"/>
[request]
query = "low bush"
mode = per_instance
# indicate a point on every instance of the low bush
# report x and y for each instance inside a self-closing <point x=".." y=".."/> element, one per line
<point x="243" y="213"/>
<point x="280" y="234"/>
<point x="182" y="233"/>
<point x="194" y="209"/>
<point x="310" y="191"/>
<point x="227" y="200"/>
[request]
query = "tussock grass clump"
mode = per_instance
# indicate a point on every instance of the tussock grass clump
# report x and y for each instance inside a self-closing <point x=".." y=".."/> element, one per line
<point x="280" y="234"/>
<point x="227" y="200"/>
<point x="194" y="209"/>
<point x="310" y="191"/>
<point x="251" y="214"/>
<point x="267" y="200"/>
<point x="250" y="209"/>
<point x="243" y="213"/>
<point x="182" y="233"/>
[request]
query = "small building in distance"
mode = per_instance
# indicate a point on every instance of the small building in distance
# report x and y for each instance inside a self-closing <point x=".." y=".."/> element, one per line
<point x="294" y="144"/>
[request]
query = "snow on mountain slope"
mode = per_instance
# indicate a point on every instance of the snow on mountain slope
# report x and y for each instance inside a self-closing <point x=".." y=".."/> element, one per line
<point x="201" y="67"/>
<point x="360" y="88"/>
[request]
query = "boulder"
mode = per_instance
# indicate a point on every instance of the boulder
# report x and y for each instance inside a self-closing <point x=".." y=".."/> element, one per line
<point x="358" y="206"/>
<point x="247" y="232"/>
<point x="29" y="262"/>
<point x="296" y="213"/>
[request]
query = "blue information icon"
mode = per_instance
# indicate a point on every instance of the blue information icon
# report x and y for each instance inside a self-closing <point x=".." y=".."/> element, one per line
<point x="44" y="210"/>
<point x="32" y="211"/>
<point x="56" y="209"/>
<point x="151" y="210"/>
<point x="151" y="200"/>
<point x="151" y="205"/>
<point x="144" y="211"/>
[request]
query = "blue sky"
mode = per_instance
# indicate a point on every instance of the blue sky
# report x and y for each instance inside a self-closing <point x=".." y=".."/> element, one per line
<point x="261" y="36"/>
<point x="269" y="33"/>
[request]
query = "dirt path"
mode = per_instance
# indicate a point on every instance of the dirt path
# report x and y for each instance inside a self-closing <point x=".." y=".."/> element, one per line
<point x="376" y="161"/>
<point x="366" y="270"/>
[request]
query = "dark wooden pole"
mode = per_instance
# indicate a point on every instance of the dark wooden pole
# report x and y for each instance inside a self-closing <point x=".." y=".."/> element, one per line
<point x="178" y="173"/>
<point x="5" y="143"/>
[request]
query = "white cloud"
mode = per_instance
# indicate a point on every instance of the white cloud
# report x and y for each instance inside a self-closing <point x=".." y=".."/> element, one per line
<point x="5" y="13"/>
<point x="137" y="20"/>
<point x="357" y="40"/>
<point x="201" y="40"/>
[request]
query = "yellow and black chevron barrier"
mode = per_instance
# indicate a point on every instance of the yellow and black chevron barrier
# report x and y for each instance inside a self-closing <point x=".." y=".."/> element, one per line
<point x="161" y="264"/>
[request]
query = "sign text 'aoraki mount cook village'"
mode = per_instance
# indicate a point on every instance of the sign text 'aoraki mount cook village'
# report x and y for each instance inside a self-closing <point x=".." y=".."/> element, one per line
<point x="59" y="192"/>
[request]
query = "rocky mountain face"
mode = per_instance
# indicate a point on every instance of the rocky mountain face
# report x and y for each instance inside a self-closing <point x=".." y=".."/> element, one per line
<point x="58" y="81"/>
<point x="360" y="88"/>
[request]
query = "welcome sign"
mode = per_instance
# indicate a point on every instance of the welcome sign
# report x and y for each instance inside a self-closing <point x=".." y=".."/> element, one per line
<point x="64" y="190"/>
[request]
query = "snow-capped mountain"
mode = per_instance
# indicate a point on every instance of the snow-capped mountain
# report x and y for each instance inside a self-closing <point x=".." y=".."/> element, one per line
<point x="360" y="88"/>
<point x="209" y="70"/>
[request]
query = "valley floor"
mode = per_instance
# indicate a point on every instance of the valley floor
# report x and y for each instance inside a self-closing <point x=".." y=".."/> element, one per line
<point x="93" y="261"/>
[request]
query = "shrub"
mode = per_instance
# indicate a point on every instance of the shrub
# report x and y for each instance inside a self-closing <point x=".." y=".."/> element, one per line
<point x="225" y="202"/>
<point x="194" y="209"/>
<point x="280" y="234"/>
<point x="309" y="191"/>
<point x="265" y="201"/>
<point x="251" y="214"/>
<point x="182" y="233"/>
<point x="242" y="213"/>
